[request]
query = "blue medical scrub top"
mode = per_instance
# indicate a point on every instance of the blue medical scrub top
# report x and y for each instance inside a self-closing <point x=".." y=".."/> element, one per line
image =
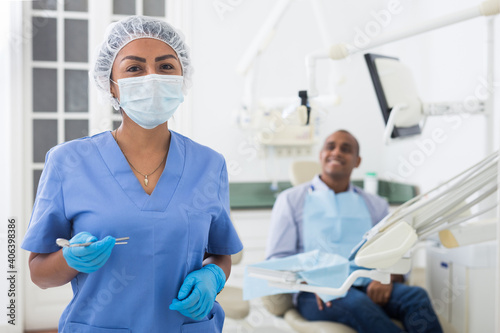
<point x="87" y="185"/>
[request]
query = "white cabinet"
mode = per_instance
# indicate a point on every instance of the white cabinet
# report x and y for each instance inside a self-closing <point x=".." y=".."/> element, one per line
<point x="461" y="284"/>
<point x="252" y="226"/>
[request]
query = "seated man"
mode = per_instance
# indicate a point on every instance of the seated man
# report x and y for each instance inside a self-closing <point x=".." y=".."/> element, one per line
<point x="300" y="217"/>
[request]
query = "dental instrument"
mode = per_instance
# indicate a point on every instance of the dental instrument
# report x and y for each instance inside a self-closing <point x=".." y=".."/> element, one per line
<point x="62" y="242"/>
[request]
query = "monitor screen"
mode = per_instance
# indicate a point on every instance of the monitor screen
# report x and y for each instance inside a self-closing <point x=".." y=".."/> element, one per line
<point x="394" y="85"/>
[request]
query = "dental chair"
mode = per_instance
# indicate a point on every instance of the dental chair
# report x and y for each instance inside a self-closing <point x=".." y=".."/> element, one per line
<point x="385" y="247"/>
<point x="303" y="171"/>
<point x="281" y="305"/>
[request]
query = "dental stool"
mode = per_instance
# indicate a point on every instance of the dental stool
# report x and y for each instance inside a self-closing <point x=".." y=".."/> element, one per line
<point x="303" y="171"/>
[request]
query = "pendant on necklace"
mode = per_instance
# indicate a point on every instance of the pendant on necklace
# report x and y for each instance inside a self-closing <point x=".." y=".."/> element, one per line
<point x="146" y="180"/>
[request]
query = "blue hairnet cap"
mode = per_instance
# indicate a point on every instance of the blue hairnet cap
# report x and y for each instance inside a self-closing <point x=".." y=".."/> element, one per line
<point x="119" y="34"/>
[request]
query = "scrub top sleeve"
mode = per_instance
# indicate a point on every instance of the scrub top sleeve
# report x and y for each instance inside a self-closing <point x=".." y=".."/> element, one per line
<point x="283" y="235"/>
<point x="222" y="237"/>
<point x="48" y="221"/>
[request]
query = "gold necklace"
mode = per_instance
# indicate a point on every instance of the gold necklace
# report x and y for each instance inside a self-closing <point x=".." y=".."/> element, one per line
<point x="146" y="181"/>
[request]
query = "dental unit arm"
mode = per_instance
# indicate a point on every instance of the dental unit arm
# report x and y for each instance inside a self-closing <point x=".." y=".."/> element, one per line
<point x="401" y="111"/>
<point x="384" y="248"/>
<point x="486" y="8"/>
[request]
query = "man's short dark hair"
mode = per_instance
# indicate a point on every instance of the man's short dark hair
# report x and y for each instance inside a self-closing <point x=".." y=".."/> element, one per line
<point x="355" y="140"/>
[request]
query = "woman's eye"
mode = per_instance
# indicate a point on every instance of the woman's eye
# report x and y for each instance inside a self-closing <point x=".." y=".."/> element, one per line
<point x="133" y="69"/>
<point x="167" y="67"/>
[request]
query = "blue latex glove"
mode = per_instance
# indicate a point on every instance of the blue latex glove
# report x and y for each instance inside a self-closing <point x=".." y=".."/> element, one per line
<point x="88" y="259"/>
<point x="198" y="291"/>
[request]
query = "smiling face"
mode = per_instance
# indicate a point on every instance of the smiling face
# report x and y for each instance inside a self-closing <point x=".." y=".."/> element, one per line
<point x="339" y="156"/>
<point x="141" y="57"/>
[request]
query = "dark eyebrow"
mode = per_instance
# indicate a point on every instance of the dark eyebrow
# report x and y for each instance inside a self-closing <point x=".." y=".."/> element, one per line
<point x="134" y="58"/>
<point x="167" y="56"/>
<point x="342" y="144"/>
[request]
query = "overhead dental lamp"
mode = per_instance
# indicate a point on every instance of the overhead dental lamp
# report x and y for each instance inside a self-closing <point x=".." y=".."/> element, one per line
<point x="403" y="112"/>
<point x="402" y="109"/>
<point x="397" y="95"/>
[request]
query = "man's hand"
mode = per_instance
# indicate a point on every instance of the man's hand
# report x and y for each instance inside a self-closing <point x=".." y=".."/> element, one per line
<point x="321" y="305"/>
<point x="379" y="293"/>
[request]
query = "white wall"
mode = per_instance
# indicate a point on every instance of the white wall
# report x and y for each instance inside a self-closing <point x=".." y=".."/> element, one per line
<point x="449" y="65"/>
<point x="10" y="150"/>
<point x="5" y="130"/>
<point x="4" y="151"/>
<point x="446" y="64"/>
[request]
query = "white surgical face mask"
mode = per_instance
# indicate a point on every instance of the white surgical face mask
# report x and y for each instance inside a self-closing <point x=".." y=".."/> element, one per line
<point x="152" y="99"/>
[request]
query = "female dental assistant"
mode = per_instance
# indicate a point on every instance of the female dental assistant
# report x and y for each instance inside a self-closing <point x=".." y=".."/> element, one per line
<point x="164" y="191"/>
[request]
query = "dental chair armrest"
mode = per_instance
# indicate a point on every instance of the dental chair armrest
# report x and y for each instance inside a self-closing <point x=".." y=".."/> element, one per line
<point x="299" y="324"/>
<point x="278" y="304"/>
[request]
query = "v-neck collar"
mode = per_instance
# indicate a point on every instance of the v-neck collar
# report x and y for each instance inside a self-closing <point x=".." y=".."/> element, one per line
<point x="319" y="185"/>
<point x="121" y="171"/>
